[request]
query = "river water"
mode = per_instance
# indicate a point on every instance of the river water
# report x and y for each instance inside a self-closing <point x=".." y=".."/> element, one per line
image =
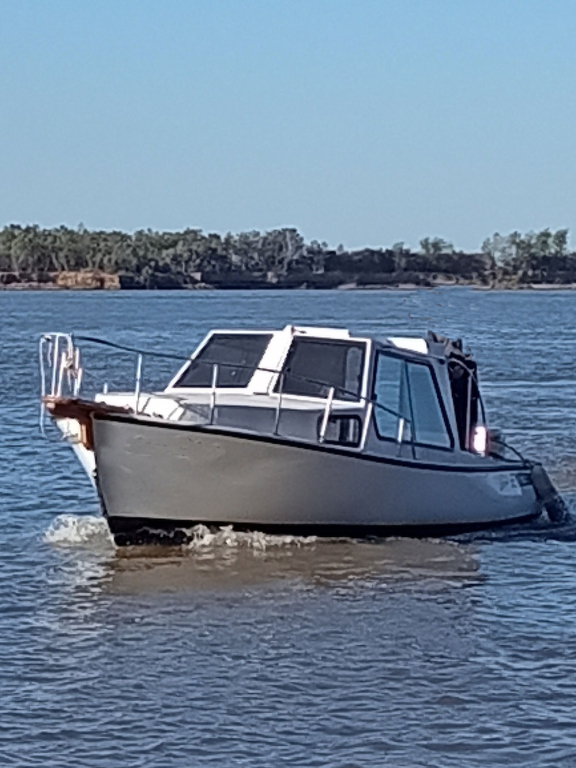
<point x="253" y="650"/>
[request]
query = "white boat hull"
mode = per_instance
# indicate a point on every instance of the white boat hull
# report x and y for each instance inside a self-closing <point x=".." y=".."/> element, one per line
<point x="72" y="431"/>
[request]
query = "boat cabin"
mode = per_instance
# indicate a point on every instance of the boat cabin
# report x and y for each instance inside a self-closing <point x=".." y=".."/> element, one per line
<point x="399" y="396"/>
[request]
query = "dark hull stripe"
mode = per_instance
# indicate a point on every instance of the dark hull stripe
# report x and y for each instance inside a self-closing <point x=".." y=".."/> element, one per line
<point x="130" y="531"/>
<point x="274" y="440"/>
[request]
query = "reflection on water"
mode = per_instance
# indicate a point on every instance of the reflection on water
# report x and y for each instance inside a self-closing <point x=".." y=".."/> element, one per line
<point x="224" y="559"/>
<point x="317" y="563"/>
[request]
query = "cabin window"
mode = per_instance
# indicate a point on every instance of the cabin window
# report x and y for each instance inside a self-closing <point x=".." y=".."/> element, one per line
<point x="407" y="389"/>
<point x="392" y="407"/>
<point x="341" y="430"/>
<point x="236" y="354"/>
<point x="314" y="366"/>
<point x="429" y="424"/>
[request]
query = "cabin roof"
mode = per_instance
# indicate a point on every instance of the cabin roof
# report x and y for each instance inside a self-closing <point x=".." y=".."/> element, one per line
<point x="410" y="343"/>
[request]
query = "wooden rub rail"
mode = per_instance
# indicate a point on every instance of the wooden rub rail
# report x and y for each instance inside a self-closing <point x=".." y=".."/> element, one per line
<point x="80" y="411"/>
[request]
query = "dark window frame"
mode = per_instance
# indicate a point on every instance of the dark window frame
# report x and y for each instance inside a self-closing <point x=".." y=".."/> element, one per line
<point x="225" y="366"/>
<point x="329" y="341"/>
<point x="439" y="398"/>
<point x="335" y="417"/>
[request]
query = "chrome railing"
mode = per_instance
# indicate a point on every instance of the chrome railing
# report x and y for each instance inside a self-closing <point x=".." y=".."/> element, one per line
<point x="61" y="376"/>
<point x="60" y="370"/>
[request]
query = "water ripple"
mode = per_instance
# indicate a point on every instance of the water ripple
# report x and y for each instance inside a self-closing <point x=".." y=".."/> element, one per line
<point x="251" y="650"/>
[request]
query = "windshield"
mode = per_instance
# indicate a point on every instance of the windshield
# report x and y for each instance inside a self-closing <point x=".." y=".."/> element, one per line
<point x="236" y="354"/>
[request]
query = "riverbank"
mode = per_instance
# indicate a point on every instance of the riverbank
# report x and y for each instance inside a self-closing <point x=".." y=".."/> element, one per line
<point x="91" y="280"/>
<point x="62" y="258"/>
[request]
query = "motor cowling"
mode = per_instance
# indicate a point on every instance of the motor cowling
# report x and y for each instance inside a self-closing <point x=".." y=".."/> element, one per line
<point x="553" y="502"/>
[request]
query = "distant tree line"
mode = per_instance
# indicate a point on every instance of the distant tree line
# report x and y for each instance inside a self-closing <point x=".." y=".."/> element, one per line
<point x="278" y="258"/>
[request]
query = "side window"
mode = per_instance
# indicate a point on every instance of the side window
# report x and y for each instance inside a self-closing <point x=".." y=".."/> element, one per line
<point x="342" y="430"/>
<point x="430" y="426"/>
<point x="407" y="403"/>
<point x="392" y="408"/>
<point x="313" y="366"/>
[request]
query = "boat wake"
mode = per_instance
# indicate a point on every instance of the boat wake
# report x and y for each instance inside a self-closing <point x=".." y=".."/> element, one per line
<point x="201" y="537"/>
<point x="74" y="530"/>
<point x="87" y="530"/>
<point x="68" y="530"/>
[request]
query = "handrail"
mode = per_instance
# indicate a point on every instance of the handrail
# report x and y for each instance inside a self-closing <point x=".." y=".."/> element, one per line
<point x="276" y="371"/>
<point x="57" y="351"/>
<point x="138" y="385"/>
<point x="215" y="371"/>
<point x="326" y="416"/>
<point x="279" y="404"/>
<point x="188" y="358"/>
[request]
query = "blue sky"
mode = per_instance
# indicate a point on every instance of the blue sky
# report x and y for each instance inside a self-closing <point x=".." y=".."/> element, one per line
<point x="361" y="122"/>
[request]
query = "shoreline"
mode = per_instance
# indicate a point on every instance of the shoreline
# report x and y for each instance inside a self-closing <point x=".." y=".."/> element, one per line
<point x="403" y="280"/>
<point x="408" y="286"/>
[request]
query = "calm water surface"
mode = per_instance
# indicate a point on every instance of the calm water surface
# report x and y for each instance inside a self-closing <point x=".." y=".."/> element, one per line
<point x="252" y="650"/>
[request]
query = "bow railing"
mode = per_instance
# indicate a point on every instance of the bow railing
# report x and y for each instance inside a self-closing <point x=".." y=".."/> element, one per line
<point x="62" y="375"/>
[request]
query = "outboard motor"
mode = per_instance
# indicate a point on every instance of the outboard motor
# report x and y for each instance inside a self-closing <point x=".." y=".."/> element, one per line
<point x="553" y="503"/>
<point x="478" y="438"/>
<point x="463" y="373"/>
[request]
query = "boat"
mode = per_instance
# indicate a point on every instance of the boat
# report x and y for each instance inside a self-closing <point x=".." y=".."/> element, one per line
<point x="309" y="430"/>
